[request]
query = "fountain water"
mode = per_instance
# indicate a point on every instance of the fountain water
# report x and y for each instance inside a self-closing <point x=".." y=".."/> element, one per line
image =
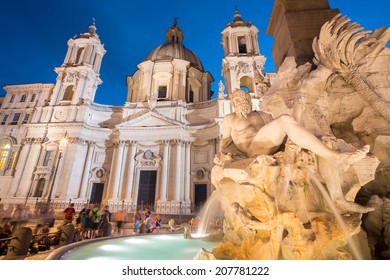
<point x="136" y="247"/>
<point x="356" y="252"/>
<point x="211" y="212"/>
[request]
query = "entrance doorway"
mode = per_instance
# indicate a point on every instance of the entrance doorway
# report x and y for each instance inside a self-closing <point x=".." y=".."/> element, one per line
<point x="200" y="196"/>
<point x="97" y="193"/>
<point x="147" y="188"/>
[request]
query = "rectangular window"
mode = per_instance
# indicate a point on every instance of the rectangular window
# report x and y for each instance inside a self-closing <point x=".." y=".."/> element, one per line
<point x="15" y="119"/>
<point x="4" y="120"/>
<point x="162" y="92"/>
<point x="11" y="161"/>
<point x="12" y="99"/>
<point x="26" y="117"/>
<point x="47" y="158"/>
<point x="191" y="96"/>
<point x="23" y="98"/>
<point x="32" y="98"/>
<point x="40" y="187"/>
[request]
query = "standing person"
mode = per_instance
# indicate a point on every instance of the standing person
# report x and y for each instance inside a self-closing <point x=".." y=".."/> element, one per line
<point x="85" y="220"/>
<point x="137" y="221"/>
<point x="84" y="225"/>
<point x="142" y="224"/>
<point x="147" y="212"/>
<point x="69" y="214"/>
<point x="94" y="215"/>
<point x="107" y="212"/>
<point x="120" y="219"/>
<point x="158" y="223"/>
<point x="149" y="224"/>
<point x="84" y="210"/>
<point x="103" y="223"/>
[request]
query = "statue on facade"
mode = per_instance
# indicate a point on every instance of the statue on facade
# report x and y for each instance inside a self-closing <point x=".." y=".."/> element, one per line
<point x="221" y="90"/>
<point x="262" y="84"/>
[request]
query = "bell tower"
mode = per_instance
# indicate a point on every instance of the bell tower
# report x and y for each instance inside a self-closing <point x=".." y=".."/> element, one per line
<point x="242" y="61"/>
<point x="79" y="75"/>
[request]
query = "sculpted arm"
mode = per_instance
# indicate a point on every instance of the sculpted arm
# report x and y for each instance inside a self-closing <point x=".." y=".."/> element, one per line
<point x="227" y="145"/>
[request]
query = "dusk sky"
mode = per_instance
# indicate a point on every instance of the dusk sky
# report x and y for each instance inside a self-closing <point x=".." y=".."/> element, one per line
<point x="34" y="34"/>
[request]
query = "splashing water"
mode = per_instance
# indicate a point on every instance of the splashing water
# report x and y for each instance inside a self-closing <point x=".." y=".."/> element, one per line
<point x="213" y="209"/>
<point x="352" y="244"/>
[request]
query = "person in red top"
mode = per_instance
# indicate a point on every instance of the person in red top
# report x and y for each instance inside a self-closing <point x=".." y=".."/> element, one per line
<point x="69" y="214"/>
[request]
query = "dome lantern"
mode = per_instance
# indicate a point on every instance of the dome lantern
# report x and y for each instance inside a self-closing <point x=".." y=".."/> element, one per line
<point x="174" y="34"/>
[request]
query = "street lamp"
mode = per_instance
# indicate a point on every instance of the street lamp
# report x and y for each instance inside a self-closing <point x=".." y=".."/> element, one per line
<point x="61" y="147"/>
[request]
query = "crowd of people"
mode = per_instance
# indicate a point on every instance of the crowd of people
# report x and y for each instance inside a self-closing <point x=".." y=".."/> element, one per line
<point x="90" y="222"/>
<point x="146" y="222"/>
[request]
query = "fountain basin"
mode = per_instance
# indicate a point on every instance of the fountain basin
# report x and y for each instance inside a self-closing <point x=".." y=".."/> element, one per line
<point x="135" y="247"/>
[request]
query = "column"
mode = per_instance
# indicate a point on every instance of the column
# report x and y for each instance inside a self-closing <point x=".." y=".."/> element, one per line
<point x="130" y="171"/>
<point x="32" y="162"/>
<point x="86" y="170"/>
<point x="187" y="175"/>
<point x="164" y="172"/>
<point x="176" y="196"/>
<point x="63" y="187"/>
<point x="80" y="89"/>
<point x="21" y="165"/>
<point x="115" y="171"/>
<point x="124" y="172"/>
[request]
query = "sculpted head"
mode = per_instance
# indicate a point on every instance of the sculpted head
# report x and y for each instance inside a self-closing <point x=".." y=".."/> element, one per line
<point x="242" y="102"/>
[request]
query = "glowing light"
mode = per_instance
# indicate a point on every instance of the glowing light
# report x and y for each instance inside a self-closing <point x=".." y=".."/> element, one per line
<point x="164" y="237"/>
<point x="136" y="241"/>
<point x="199" y="235"/>
<point x="111" y="248"/>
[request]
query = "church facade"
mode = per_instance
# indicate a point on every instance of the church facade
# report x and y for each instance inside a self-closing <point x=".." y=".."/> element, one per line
<point x="157" y="150"/>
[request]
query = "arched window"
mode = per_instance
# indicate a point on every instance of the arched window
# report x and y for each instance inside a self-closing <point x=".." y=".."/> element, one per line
<point x="246" y="83"/>
<point x="39" y="188"/>
<point x="5" y="150"/>
<point x="244" y="88"/>
<point x="68" y="95"/>
<point x="7" y="156"/>
<point x="241" y="44"/>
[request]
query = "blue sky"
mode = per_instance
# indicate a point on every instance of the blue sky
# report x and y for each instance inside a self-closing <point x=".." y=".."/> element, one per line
<point x="34" y="34"/>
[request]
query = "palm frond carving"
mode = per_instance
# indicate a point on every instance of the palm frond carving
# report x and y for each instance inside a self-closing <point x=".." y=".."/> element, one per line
<point x="346" y="48"/>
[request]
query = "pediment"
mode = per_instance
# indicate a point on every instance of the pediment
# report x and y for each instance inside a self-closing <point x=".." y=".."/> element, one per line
<point x="148" y="119"/>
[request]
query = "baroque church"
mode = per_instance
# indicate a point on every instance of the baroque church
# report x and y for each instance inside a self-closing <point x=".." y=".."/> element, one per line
<point x="57" y="145"/>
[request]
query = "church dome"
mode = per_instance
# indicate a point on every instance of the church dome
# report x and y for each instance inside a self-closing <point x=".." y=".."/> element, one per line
<point x="173" y="48"/>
